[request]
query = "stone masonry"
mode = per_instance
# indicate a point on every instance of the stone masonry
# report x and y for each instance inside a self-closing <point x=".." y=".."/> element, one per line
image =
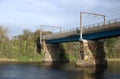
<point x="51" y="52"/>
<point x="91" y="54"/>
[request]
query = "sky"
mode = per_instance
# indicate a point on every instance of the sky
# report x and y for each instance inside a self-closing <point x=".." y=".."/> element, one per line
<point x="17" y="15"/>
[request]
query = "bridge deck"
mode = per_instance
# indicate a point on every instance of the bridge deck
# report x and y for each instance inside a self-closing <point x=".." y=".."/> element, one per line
<point x="91" y="32"/>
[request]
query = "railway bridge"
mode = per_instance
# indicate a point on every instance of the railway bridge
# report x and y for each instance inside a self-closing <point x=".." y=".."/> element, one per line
<point x="92" y="51"/>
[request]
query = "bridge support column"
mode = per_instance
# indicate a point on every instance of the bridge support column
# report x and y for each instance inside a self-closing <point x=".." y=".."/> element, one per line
<point x="91" y="54"/>
<point x="50" y="52"/>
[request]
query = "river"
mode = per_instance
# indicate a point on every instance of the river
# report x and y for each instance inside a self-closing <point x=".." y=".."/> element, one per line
<point x="57" y="71"/>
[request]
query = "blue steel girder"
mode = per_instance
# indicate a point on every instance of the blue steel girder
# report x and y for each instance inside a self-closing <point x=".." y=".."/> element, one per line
<point x="91" y="36"/>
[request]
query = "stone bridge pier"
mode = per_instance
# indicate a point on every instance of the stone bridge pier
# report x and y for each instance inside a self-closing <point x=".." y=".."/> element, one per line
<point x="53" y="53"/>
<point x="50" y="52"/>
<point x="91" y="54"/>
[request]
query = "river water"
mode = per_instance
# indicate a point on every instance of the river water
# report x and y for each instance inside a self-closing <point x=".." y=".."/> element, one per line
<point x="58" y="71"/>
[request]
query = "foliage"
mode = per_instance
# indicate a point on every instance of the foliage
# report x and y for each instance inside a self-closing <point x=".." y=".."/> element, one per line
<point x="71" y="50"/>
<point x="22" y="47"/>
<point x="26" y="47"/>
<point x="112" y="47"/>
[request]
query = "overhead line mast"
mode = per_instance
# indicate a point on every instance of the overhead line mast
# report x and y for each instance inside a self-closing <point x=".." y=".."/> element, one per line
<point x="81" y="16"/>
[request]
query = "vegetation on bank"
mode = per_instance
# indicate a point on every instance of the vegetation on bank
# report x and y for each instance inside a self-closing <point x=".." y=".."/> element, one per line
<point x="22" y="47"/>
<point x="26" y="47"/>
<point x="111" y="47"/>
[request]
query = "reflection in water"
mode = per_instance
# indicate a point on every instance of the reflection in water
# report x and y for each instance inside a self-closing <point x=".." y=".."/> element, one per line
<point x="57" y="71"/>
<point x="114" y="66"/>
<point x="85" y="73"/>
<point x="91" y="73"/>
<point x="79" y="72"/>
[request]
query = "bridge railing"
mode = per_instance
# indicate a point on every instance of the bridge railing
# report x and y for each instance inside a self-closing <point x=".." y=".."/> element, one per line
<point x="98" y="27"/>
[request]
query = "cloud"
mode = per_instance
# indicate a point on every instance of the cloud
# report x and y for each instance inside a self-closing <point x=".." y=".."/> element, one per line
<point x="30" y="14"/>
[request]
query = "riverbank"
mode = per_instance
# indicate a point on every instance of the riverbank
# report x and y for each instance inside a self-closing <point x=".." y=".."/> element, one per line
<point x="7" y="59"/>
<point x="113" y="59"/>
<point x="15" y="60"/>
